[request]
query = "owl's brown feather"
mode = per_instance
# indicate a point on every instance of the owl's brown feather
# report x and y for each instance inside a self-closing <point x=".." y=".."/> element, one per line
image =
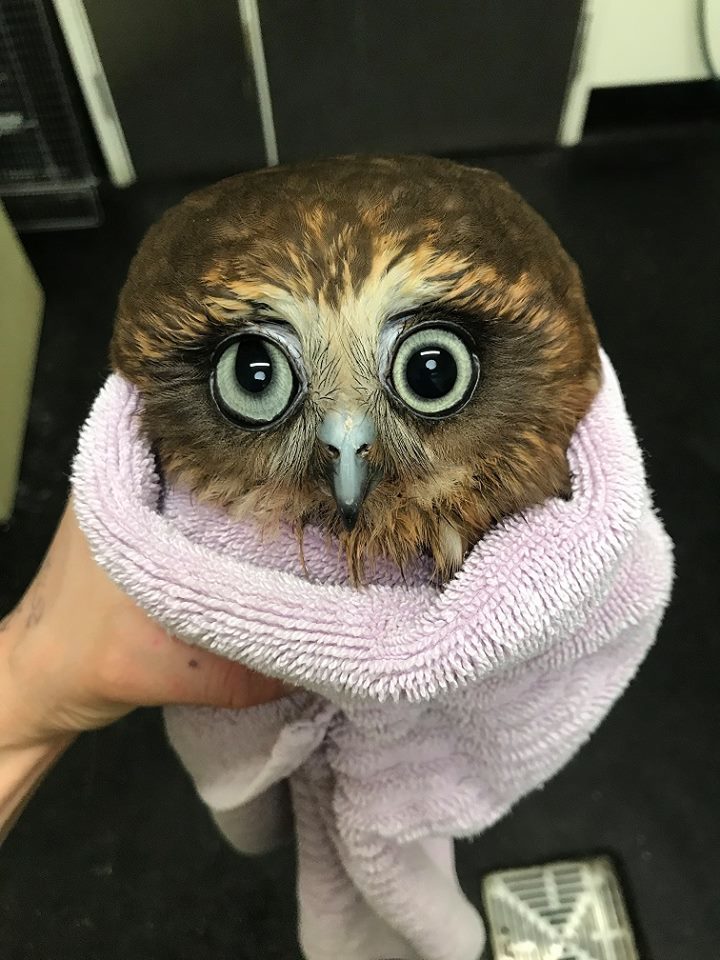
<point x="335" y="248"/>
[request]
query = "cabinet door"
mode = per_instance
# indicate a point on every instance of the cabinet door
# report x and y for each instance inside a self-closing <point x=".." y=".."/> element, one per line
<point x="182" y="85"/>
<point x="456" y="76"/>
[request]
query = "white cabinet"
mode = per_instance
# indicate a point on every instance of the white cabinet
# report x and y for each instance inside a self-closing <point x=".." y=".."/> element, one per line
<point x="627" y="42"/>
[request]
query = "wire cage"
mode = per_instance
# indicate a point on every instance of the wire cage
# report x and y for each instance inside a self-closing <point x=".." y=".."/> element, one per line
<point x="46" y="175"/>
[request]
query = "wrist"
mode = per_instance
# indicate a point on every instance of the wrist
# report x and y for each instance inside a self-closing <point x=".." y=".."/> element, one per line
<point x="23" y="702"/>
<point x="21" y="770"/>
<point x="26" y="750"/>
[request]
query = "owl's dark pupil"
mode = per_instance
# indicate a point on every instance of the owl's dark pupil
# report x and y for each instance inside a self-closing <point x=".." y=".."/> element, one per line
<point x="253" y="366"/>
<point x="431" y="372"/>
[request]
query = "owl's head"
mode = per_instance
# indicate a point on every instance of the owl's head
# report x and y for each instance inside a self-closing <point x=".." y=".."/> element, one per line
<point x="396" y="350"/>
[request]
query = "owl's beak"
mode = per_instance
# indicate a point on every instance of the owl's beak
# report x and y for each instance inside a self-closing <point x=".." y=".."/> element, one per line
<point x="347" y="435"/>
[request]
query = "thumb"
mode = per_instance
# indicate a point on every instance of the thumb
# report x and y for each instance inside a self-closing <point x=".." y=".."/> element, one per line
<point x="198" y="677"/>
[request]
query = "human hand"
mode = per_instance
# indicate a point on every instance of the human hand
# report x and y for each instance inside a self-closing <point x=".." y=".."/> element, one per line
<point x="78" y="654"/>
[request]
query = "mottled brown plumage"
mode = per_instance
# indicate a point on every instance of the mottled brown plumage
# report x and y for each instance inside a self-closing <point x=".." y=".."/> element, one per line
<point x="337" y="249"/>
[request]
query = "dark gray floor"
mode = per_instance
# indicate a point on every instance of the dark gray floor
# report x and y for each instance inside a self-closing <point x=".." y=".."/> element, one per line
<point x="115" y="860"/>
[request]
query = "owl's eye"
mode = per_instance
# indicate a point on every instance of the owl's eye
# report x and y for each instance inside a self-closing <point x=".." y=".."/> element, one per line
<point x="434" y="372"/>
<point x="254" y="381"/>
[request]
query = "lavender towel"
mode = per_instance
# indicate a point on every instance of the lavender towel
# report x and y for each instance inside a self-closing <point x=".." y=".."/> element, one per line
<point x="425" y="713"/>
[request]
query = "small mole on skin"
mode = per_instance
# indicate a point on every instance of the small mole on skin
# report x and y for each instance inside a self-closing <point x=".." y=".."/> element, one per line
<point x="193" y="663"/>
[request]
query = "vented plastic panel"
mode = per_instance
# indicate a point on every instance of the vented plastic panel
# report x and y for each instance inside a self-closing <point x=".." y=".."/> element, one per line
<point x="572" y="910"/>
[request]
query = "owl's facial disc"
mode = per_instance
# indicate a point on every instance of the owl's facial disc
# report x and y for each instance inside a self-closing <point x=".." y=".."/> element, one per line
<point x="347" y="435"/>
<point x="259" y="380"/>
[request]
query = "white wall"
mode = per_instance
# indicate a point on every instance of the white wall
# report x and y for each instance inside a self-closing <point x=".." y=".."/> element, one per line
<point x="628" y="42"/>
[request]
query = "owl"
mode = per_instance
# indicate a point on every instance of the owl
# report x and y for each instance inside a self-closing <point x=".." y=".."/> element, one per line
<point x="395" y="350"/>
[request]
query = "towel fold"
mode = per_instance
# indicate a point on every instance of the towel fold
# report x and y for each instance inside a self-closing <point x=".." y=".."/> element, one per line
<point x="425" y="712"/>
